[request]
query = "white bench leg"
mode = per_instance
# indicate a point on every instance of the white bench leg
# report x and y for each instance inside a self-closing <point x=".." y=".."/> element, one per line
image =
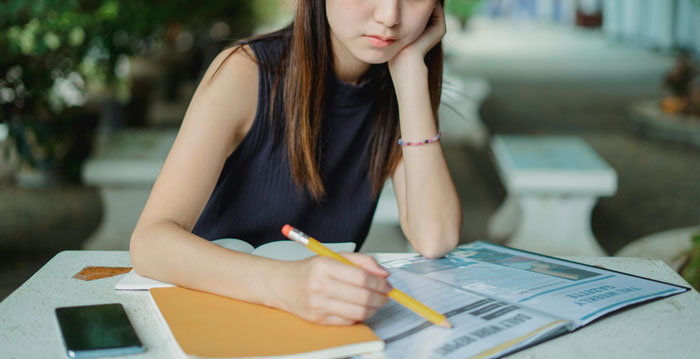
<point x="556" y="225"/>
<point x="505" y="221"/>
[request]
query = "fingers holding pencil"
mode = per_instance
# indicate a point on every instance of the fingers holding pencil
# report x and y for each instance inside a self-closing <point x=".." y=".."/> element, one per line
<point x="399" y="296"/>
<point x="326" y="291"/>
<point x="370" y="265"/>
<point x="355" y="292"/>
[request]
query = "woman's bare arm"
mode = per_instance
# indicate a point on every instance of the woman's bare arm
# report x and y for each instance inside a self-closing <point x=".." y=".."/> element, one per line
<point x="429" y="209"/>
<point x="163" y="247"/>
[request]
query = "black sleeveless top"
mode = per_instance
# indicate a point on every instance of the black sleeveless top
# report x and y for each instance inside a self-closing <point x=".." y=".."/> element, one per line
<point x="255" y="194"/>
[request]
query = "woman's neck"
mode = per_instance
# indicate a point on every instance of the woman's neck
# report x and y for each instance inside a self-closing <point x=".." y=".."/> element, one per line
<point x="348" y="68"/>
<point x="353" y="76"/>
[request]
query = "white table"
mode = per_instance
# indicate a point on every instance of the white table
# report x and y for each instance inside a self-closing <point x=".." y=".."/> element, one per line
<point x="666" y="328"/>
<point x="552" y="182"/>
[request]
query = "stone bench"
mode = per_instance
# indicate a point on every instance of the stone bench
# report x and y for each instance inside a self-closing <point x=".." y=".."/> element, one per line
<point x="458" y="113"/>
<point x="124" y="168"/>
<point x="552" y="184"/>
<point x="669" y="246"/>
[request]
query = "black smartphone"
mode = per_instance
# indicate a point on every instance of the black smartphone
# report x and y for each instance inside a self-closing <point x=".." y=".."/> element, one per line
<point x="93" y="331"/>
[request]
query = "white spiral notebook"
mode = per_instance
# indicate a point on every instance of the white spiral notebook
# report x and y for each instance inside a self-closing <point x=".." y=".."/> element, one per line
<point x="282" y="250"/>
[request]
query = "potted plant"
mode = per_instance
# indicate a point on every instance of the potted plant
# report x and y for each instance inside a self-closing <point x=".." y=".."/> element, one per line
<point x="52" y="52"/>
<point x="682" y="83"/>
<point x="690" y="270"/>
<point x="65" y="61"/>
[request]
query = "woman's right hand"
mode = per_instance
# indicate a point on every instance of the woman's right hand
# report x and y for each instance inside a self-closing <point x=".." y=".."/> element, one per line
<point x="325" y="291"/>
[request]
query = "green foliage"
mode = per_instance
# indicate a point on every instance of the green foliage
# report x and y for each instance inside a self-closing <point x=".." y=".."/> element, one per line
<point x="691" y="271"/>
<point x="40" y="42"/>
<point x="53" y="49"/>
<point x="44" y="40"/>
<point x="267" y="10"/>
<point x="462" y="9"/>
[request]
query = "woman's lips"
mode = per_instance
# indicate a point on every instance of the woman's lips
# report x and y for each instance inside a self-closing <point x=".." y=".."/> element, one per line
<point x="379" y="41"/>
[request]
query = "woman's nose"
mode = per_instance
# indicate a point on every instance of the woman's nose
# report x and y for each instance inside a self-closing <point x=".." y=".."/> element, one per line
<point x="388" y="12"/>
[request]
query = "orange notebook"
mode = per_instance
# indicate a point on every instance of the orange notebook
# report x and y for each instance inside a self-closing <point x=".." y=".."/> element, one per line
<point x="210" y="326"/>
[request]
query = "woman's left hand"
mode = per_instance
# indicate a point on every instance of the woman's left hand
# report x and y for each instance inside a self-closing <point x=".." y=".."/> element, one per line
<point x="415" y="52"/>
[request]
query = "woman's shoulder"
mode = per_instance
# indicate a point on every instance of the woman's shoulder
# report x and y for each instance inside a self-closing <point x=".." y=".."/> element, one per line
<point x="224" y="94"/>
<point x="232" y="63"/>
<point x="245" y="57"/>
<point x="269" y="49"/>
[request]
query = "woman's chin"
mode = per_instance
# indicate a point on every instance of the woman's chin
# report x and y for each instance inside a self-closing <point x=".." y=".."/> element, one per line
<point x="374" y="57"/>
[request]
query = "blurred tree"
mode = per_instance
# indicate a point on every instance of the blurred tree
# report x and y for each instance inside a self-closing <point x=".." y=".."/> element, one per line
<point x="461" y="9"/>
<point x="54" y="50"/>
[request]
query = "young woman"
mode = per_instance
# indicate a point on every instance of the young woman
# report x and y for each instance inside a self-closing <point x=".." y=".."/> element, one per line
<point x="302" y="126"/>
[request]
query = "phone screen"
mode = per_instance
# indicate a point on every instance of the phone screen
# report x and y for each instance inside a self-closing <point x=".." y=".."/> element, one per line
<point x="97" y="330"/>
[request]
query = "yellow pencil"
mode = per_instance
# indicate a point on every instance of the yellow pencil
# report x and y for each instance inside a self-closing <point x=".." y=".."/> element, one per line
<point x="395" y="294"/>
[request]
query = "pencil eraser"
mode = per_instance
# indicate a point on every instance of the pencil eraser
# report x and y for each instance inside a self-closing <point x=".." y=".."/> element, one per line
<point x="286" y="229"/>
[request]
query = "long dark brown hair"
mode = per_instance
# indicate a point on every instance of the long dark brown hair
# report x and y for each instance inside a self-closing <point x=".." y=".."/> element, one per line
<point x="303" y="70"/>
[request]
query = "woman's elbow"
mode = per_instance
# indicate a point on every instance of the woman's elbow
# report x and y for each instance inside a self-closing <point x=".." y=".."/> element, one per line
<point x="436" y="243"/>
<point x="138" y="250"/>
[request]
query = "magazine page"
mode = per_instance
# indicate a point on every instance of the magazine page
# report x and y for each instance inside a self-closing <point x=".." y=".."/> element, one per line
<point x="569" y="290"/>
<point x="482" y="326"/>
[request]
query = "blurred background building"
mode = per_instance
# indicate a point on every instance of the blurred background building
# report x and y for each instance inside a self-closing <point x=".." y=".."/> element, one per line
<point x="92" y="93"/>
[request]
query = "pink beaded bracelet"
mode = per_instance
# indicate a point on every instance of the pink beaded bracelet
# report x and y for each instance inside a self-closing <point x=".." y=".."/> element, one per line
<point x="420" y="143"/>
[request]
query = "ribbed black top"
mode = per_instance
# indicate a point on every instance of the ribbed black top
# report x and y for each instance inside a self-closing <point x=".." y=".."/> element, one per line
<point x="255" y="194"/>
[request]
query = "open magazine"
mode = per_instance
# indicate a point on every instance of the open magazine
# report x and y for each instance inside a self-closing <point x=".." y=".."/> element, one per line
<point x="500" y="300"/>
